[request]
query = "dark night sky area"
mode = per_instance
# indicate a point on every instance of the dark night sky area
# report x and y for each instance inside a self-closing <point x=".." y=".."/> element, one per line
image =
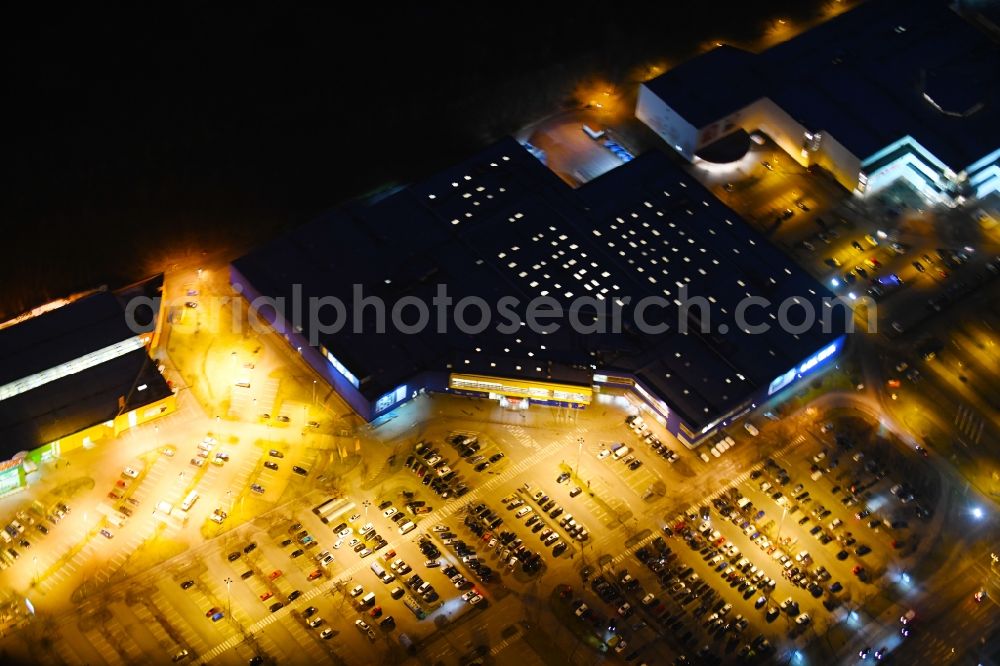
<point x="134" y="134"/>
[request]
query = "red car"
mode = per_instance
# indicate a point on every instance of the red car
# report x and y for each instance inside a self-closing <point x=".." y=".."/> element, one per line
<point x="266" y="596"/>
<point x="275" y="574"/>
<point x="212" y="611"/>
<point x="315" y="574"/>
<point x="376" y="612"/>
<point x="857" y="570"/>
<point x="114" y="494"/>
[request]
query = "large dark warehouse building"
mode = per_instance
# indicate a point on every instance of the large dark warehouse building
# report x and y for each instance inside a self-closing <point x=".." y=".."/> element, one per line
<point x="501" y="224"/>
<point x="71" y="374"/>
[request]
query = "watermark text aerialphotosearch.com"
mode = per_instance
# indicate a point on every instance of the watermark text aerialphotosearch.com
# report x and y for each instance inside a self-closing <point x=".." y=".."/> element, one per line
<point x="363" y="313"/>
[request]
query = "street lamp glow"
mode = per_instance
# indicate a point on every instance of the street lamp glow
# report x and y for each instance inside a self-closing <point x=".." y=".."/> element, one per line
<point x="977" y="513"/>
<point x="834" y="282"/>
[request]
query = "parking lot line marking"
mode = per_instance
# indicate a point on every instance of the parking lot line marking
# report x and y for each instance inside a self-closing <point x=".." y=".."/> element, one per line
<point x="500" y="647"/>
<point x="103" y="647"/>
<point x="303" y="639"/>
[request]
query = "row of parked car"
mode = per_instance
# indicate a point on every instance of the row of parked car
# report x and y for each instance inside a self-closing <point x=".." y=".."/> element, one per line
<point x="435" y="471"/>
<point x="548" y="535"/>
<point x="638" y="426"/>
<point x="720" y="447"/>
<point x="834" y="530"/>
<point x="549" y="506"/>
<point x="367" y="540"/>
<point x="482" y="521"/>
<point x="499" y="544"/>
<point x="470" y="449"/>
<point x="15" y="533"/>
<point x="467" y="554"/>
<point x="686" y="587"/>
<point x="795" y="568"/>
<point x="620" y="452"/>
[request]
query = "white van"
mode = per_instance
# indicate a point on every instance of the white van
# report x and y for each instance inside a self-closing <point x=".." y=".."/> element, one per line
<point x="368" y="599"/>
<point x="751" y="428"/>
<point x="407" y="527"/>
<point x="621" y="452"/>
<point x="116" y="519"/>
<point x="377" y="568"/>
<point x="189" y="501"/>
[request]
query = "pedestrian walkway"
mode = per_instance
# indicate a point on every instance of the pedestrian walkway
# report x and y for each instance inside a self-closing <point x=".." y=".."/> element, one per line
<point x="502" y="645"/>
<point x="969" y="423"/>
<point x="103" y="646"/>
<point x="522" y="436"/>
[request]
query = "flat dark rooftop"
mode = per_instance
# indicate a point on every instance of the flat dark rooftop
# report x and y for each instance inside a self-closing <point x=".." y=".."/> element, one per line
<point x="66" y="405"/>
<point x="77" y="401"/>
<point x="66" y="333"/>
<point x="884" y="70"/>
<point x="501" y="224"/>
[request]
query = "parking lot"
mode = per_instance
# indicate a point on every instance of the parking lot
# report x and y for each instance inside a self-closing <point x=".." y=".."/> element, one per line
<point x="913" y="260"/>
<point x="773" y="559"/>
<point x="575" y="492"/>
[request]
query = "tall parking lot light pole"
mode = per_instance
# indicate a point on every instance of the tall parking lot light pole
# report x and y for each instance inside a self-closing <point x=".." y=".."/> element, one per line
<point x="366" y="504"/>
<point x="784" y="512"/>
<point x="229" y="597"/>
<point x="579" y="454"/>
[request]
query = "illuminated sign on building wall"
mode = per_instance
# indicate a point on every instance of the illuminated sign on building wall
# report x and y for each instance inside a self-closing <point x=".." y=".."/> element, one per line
<point x="804" y="368"/>
<point x="391" y="398"/>
<point x="10" y="480"/>
<point x="537" y="391"/>
<point x="342" y="369"/>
